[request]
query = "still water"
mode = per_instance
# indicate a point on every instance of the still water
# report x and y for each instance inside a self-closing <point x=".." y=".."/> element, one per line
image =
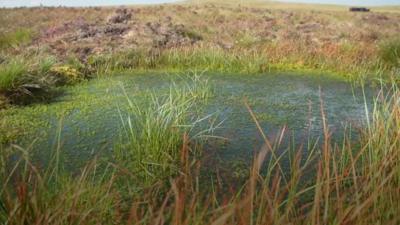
<point x="88" y="116"/>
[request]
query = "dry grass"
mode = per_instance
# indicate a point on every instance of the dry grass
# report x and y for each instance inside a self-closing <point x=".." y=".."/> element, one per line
<point x="284" y="33"/>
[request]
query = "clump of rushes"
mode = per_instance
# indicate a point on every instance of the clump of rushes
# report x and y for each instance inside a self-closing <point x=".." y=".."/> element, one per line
<point x="23" y="82"/>
<point x="197" y="86"/>
<point x="155" y="130"/>
<point x="11" y="74"/>
<point x="155" y="133"/>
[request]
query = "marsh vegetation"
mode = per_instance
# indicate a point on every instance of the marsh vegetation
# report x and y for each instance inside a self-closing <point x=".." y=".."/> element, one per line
<point x="199" y="113"/>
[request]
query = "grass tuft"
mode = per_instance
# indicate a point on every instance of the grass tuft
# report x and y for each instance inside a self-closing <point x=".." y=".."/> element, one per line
<point x="155" y="129"/>
<point x="13" y="39"/>
<point x="390" y="52"/>
<point x="11" y="74"/>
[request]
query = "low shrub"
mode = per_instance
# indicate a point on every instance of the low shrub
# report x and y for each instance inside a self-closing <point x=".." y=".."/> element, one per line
<point x="66" y="74"/>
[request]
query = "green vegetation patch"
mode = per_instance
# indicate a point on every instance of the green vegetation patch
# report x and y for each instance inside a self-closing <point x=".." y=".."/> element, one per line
<point x="11" y="74"/>
<point x="156" y="129"/>
<point x="390" y="52"/>
<point x="12" y="39"/>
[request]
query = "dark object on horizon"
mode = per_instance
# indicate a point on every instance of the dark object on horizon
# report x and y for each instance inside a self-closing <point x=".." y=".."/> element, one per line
<point x="359" y="9"/>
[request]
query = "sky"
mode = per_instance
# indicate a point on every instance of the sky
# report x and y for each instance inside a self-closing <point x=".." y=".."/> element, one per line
<point x="349" y="2"/>
<point x="16" y="3"/>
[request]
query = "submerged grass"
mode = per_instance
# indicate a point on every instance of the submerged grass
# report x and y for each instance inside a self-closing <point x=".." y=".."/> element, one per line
<point x="346" y="183"/>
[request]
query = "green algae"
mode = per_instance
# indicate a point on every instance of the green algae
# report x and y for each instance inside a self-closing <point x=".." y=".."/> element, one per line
<point x="89" y="113"/>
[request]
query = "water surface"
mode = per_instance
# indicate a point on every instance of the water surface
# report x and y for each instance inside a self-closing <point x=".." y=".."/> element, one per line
<point x="88" y="116"/>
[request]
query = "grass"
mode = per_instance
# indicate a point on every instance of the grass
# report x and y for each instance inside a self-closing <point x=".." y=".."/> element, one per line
<point x="265" y="59"/>
<point x="155" y="178"/>
<point x="51" y="197"/>
<point x="334" y="183"/>
<point x="155" y="130"/>
<point x="343" y="61"/>
<point x="255" y="37"/>
<point x="10" y="74"/>
<point x="16" y="38"/>
<point x="19" y="84"/>
<point x="25" y="80"/>
<point x="390" y="52"/>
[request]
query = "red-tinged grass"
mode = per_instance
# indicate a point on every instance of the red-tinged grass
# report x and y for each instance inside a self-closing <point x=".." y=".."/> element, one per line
<point x="346" y="183"/>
